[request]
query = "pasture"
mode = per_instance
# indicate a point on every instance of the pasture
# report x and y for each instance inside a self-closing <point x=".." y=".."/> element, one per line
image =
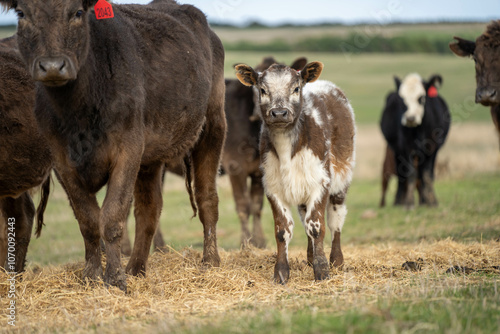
<point x="371" y="294"/>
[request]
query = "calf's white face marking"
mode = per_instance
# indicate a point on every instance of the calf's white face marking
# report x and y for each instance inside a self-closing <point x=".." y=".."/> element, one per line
<point x="412" y="92"/>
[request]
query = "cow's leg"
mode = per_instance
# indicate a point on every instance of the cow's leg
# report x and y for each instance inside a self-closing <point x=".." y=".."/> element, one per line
<point x="257" y="196"/>
<point x="148" y="204"/>
<point x="388" y="169"/>
<point x="407" y="175"/>
<point x="336" y="213"/>
<point x="158" y="241"/>
<point x="242" y="201"/>
<point x="126" y="245"/>
<point x="426" y="172"/>
<point x="314" y="223"/>
<point x="206" y="161"/>
<point x="21" y="211"/>
<point x="495" y="116"/>
<point x="310" y="253"/>
<point x="283" y="231"/>
<point x="3" y="238"/>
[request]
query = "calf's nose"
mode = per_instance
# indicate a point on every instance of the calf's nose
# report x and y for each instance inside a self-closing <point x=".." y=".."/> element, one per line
<point x="279" y="113"/>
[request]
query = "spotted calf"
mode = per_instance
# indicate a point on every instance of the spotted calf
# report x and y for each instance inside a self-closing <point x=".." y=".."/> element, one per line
<point x="307" y="150"/>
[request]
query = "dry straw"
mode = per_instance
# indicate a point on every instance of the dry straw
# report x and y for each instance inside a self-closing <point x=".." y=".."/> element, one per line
<point x="179" y="289"/>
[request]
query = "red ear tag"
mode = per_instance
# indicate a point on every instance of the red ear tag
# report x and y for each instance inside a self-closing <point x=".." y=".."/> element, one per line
<point x="103" y="10"/>
<point x="432" y="91"/>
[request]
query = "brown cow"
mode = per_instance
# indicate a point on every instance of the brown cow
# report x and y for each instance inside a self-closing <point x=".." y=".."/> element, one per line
<point x="307" y="150"/>
<point x="486" y="54"/>
<point x="241" y="158"/>
<point x="25" y="160"/>
<point x="118" y="99"/>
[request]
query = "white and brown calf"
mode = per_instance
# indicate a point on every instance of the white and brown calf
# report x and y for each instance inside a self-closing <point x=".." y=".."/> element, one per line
<point x="307" y="150"/>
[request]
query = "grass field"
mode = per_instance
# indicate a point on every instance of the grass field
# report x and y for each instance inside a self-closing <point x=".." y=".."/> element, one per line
<point x="372" y="294"/>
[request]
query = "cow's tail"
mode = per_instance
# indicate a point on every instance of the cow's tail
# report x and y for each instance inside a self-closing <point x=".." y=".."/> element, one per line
<point x="44" y="197"/>
<point x="189" y="188"/>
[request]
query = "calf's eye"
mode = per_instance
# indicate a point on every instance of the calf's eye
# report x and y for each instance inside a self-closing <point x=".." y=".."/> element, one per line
<point x="421" y="99"/>
<point x="79" y="13"/>
<point x="296" y="90"/>
<point x="20" y="14"/>
<point x="262" y="91"/>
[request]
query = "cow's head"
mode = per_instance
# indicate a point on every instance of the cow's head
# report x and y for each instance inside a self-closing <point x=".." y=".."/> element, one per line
<point x="486" y="54"/>
<point x="280" y="91"/>
<point x="53" y="37"/>
<point x="414" y="92"/>
<point x="297" y="65"/>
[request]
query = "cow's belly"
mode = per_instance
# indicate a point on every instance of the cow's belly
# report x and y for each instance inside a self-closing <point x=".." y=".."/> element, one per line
<point x="297" y="181"/>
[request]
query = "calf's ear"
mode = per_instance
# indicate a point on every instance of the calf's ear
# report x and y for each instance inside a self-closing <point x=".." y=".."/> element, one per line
<point x="299" y="63"/>
<point x="246" y="75"/>
<point x="462" y="47"/>
<point x="8" y="4"/>
<point x="312" y="71"/>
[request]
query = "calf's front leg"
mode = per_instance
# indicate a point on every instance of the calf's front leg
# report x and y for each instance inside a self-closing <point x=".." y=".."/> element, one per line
<point x="283" y="230"/>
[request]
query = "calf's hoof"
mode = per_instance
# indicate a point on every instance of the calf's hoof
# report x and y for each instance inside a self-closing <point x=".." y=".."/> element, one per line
<point x="93" y="273"/>
<point x="337" y="259"/>
<point x="136" y="269"/>
<point x="321" y="269"/>
<point x="281" y="273"/>
<point x="258" y="242"/>
<point x="212" y="260"/>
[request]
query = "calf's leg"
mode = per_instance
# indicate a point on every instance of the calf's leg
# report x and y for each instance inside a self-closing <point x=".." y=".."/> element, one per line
<point x="242" y="201"/>
<point x="283" y="231"/>
<point x="336" y="213"/>
<point x="314" y="223"/>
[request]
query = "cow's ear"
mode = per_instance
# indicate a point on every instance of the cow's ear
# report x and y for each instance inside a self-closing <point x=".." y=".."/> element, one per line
<point x="311" y="71"/>
<point x="435" y="80"/>
<point x="397" y="82"/>
<point x="462" y="47"/>
<point x="299" y="63"/>
<point x="88" y="4"/>
<point x="8" y="4"/>
<point x="246" y="75"/>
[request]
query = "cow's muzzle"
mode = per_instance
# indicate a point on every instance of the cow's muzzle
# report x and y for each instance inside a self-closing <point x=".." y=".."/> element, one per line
<point x="53" y="71"/>
<point x="279" y="117"/>
<point x="487" y="96"/>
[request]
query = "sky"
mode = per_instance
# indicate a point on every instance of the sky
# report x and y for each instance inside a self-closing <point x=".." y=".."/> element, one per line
<point x="275" y="12"/>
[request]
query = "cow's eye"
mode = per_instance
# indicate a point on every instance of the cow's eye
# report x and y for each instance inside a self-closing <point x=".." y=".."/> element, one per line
<point x="20" y="14"/>
<point x="79" y="13"/>
<point x="296" y="90"/>
<point x="421" y="99"/>
<point x="262" y="91"/>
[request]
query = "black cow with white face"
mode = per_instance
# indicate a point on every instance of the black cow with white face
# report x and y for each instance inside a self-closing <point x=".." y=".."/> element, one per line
<point x="415" y="123"/>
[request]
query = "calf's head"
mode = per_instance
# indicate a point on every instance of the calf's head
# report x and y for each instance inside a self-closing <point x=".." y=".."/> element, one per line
<point x="53" y="37"/>
<point x="414" y="92"/>
<point x="486" y="54"/>
<point x="280" y="91"/>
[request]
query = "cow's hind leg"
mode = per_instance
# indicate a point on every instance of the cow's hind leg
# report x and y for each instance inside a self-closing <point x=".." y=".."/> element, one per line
<point x="206" y="161"/>
<point x="148" y="204"/>
<point x="257" y="200"/>
<point x="336" y="213"/>
<point x="242" y="201"/>
<point x="18" y="214"/>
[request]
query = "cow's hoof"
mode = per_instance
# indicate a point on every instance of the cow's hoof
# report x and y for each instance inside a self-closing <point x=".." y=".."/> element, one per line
<point x="259" y="242"/>
<point x="92" y="273"/>
<point x="337" y="260"/>
<point x="281" y="273"/>
<point x="321" y="269"/>
<point x="137" y="269"/>
<point x="116" y="278"/>
<point x="212" y="260"/>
